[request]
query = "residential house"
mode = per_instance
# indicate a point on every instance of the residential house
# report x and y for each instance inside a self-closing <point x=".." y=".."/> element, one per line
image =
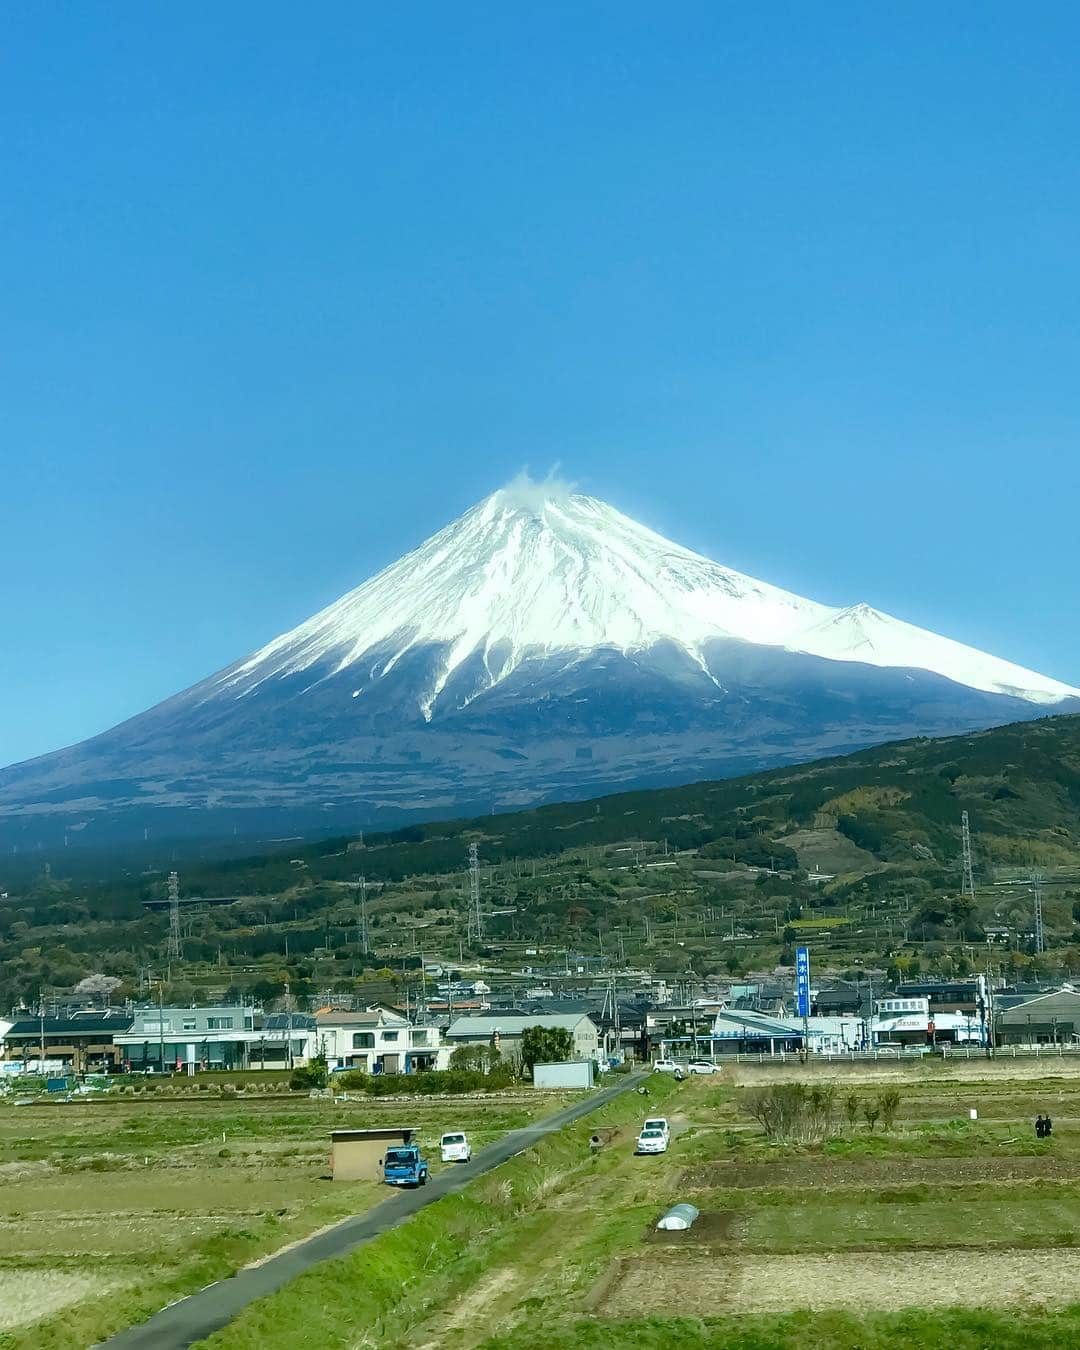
<point x="506" y="1032"/>
<point x="167" y="1039"/>
<point x="83" y="1041"/>
<point x="379" y="1041"/>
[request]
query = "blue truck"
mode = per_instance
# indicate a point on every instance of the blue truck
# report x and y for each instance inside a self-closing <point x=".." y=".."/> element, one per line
<point x="405" y="1165"/>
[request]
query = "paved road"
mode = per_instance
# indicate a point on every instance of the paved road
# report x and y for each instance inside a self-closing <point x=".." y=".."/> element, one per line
<point x="192" y="1319"/>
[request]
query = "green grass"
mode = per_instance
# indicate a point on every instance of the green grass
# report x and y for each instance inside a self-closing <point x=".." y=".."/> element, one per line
<point x="956" y="1329"/>
<point x="1010" y="1222"/>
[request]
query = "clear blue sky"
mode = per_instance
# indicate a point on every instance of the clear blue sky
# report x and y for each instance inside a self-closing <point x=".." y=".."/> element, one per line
<point x="285" y="290"/>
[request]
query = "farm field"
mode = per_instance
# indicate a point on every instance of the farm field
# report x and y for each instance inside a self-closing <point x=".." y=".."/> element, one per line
<point x="938" y="1232"/>
<point x="111" y="1208"/>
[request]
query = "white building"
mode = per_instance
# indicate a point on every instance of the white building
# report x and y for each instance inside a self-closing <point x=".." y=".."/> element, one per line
<point x="379" y="1041"/>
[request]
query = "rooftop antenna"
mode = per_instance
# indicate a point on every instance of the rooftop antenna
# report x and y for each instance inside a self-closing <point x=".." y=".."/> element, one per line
<point x="176" y="945"/>
<point x="967" y="884"/>
<point x="1040" y="933"/>
<point x="474" y="891"/>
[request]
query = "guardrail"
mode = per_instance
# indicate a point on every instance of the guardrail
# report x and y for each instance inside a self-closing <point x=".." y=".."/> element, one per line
<point x="903" y="1054"/>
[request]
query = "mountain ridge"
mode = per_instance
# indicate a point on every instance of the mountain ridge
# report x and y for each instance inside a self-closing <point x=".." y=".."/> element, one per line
<point x="536" y="649"/>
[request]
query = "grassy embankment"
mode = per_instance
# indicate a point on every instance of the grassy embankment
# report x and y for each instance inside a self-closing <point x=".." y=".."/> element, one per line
<point x="941" y="1233"/>
<point x="109" y="1209"/>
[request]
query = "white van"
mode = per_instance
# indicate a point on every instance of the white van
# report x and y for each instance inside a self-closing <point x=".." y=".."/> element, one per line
<point x="455" y="1148"/>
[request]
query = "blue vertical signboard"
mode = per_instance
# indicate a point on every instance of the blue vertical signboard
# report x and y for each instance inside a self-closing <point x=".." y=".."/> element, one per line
<point x="802" y="980"/>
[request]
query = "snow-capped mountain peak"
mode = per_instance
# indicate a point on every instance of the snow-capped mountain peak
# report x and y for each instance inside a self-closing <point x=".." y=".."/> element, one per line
<point x="543" y="647"/>
<point x="535" y="570"/>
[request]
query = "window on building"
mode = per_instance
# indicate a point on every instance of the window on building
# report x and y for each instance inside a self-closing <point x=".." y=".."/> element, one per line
<point x="190" y="1024"/>
<point x="363" y="1040"/>
<point x="219" y="1024"/>
<point x="390" y="1035"/>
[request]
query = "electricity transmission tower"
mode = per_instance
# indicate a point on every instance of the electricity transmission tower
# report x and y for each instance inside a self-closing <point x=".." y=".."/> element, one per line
<point x="967" y="885"/>
<point x="474" y="892"/>
<point x="176" y="943"/>
<point x="1040" y="932"/>
<point x="361" y="916"/>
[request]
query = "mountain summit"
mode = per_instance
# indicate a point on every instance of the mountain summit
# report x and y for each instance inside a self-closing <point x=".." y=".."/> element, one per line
<point x="516" y="578"/>
<point x="543" y="645"/>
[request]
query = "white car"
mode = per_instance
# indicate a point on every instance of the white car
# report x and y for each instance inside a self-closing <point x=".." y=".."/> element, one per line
<point x="657" y="1123"/>
<point x="702" y="1066"/>
<point x="651" y="1141"/>
<point x="667" y="1066"/>
<point x="455" y="1148"/>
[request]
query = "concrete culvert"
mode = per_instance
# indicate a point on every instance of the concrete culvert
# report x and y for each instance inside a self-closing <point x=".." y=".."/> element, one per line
<point x="678" y="1218"/>
<point x="601" y="1137"/>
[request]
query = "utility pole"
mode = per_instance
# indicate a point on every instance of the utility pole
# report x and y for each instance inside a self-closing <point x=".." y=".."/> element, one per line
<point x="161" y="1025"/>
<point x="361" y="918"/>
<point x="176" y="945"/>
<point x="1040" y="933"/>
<point x="474" y="891"/>
<point x="967" y="884"/>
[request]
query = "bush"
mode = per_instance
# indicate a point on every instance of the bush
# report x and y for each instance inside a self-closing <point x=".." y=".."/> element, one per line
<point x="314" y="1074"/>
<point x="431" y="1082"/>
<point x="888" y="1105"/>
<point x="792" y="1112"/>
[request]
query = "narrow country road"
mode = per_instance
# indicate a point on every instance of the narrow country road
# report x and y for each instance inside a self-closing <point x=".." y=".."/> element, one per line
<point x="199" y="1315"/>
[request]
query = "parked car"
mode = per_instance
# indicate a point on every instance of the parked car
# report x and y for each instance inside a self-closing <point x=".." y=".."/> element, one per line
<point x="657" y="1123"/>
<point x="455" y="1148"/>
<point x="667" y="1066"/>
<point x="702" y="1066"/>
<point x="405" y="1166"/>
<point x="652" y="1141"/>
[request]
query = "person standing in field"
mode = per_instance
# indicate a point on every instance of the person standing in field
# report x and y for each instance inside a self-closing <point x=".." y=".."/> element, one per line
<point x="1048" y="1126"/>
<point x="1040" y="1126"/>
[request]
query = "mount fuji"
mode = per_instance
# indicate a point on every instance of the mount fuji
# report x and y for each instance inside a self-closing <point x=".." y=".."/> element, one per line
<point x="543" y="646"/>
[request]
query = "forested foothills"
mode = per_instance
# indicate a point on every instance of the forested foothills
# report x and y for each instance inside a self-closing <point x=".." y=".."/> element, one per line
<point x="858" y="856"/>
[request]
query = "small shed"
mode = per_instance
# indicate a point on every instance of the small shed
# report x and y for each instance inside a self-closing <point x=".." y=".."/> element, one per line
<point x="357" y="1154"/>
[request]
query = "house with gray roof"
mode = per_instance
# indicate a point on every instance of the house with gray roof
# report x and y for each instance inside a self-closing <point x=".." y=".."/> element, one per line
<point x="506" y="1031"/>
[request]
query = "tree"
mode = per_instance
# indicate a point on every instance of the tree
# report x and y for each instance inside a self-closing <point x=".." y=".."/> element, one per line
<point x="480" y="1057"/>
<point x="545" y="1045"/>
<point x="97" y="986"/>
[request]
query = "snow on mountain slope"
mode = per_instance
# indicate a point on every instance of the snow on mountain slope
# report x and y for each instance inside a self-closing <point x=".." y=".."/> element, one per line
<point x="864" y="634"/>
<point x="530" y="573"/>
